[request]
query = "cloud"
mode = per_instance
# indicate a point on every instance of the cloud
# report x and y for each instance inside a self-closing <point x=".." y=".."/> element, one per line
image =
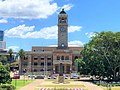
<point x="29" y="9"/>
<point x="67" y="7"/>
<point x="75" y="43"/>
<point x="19" y="31"/>
<point x="3" y="21"/>
<point x="23" y="31"/>
<point x="74" y="28"/>
<point x="90" y="34"/>
<point x="14" y="48"/>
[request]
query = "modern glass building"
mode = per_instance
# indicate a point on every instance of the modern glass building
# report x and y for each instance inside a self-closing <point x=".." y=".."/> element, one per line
<point x="2" y="42"/>
<point x="1" y="35"/>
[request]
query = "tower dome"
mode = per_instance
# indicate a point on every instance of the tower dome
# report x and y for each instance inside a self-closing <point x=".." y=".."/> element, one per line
<point x="63" y="12"/>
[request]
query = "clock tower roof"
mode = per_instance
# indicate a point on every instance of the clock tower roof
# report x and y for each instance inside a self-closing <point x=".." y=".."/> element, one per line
<point x="63" y="12"/>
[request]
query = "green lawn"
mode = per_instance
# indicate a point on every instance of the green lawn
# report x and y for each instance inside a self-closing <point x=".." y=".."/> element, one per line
<point x="113" y="88"/>
<point x="20" y="83"/>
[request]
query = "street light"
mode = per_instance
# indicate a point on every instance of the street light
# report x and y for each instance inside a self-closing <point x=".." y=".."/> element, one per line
<point x="45" y="65"/>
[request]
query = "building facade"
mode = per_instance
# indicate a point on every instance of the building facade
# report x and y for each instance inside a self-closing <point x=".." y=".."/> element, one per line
<point x="2" y="42"/>
<point x="48" y="59"/>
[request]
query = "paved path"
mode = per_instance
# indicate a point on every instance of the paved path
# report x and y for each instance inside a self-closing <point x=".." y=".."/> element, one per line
<point x="91" y="86"/>
<point x="32" y="85"/>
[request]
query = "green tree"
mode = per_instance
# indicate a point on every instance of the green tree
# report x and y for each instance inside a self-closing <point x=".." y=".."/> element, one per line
<point x="7" y="66"/>
<point x="3" y="59"/>
<point x="4" y="75"/>
<point x="21" y="54"/>
<point x="102" y="55"/>
<point x="81" y="63"/>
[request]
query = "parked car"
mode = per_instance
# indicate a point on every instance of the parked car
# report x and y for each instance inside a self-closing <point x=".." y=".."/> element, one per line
<point x="16" y="76"/>
<point x="39" y="77"/>
<point x="65" y="77"/>
<point x="74" y="76"/>
<point x="52" y="77"/>
<point x="31" y="76"/>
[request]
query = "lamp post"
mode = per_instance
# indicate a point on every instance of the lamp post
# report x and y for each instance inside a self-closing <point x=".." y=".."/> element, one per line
<point x="45" y="65"/>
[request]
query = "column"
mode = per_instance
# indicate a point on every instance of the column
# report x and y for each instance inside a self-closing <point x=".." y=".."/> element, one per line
<point x="65" y="68"/>
<point x="70" y="68"/>
<point x="53" y="68"/>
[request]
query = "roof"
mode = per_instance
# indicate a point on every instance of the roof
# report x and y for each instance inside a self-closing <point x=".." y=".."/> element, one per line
<point x="62" y="12"/>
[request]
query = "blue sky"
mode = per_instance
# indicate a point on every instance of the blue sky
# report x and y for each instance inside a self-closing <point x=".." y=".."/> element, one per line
<point x="28" y="23"/>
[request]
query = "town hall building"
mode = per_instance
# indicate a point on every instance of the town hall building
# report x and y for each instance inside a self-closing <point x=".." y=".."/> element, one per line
<point x="48" y="59"/>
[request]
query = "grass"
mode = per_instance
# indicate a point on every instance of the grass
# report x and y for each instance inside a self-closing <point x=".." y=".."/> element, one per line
<point x="20" y="83"/>
<point x="113" y="88"/>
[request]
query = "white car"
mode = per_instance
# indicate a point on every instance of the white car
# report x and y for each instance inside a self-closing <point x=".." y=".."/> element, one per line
<point x="31" y="76"/>
<point x="52" y="77"/>
<point x="65" y="77"/>
<point x="74" y="76"/>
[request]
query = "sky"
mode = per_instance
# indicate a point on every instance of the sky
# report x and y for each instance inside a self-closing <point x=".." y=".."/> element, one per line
<point x="28" y="23"/>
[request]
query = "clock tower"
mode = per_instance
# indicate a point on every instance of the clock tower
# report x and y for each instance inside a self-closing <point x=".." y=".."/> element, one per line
<point x="62" y="30"/>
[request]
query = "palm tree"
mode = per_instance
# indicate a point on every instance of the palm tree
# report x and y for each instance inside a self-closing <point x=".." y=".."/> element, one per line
<point x="21" y="54"/>
<point x="10" y="55"/>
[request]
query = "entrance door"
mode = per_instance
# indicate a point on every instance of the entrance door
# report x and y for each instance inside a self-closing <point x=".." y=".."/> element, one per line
<point x="63" y="69"/>
<point x="56" y="69"/>
<point x="68" y="69"/>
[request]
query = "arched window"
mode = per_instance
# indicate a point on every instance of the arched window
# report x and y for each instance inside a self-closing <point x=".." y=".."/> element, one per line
<point x="35" y="70"/>
<point x="67" y="58"/>
<point x="62" y="45"/>
<point x="62" y="58"/>
<point x="76" y="57"/>
<point x="58" y="57"/>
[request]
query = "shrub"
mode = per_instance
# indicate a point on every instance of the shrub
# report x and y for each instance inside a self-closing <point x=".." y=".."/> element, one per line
<point x="106" y="84"/>
<point x="7" y="87"/>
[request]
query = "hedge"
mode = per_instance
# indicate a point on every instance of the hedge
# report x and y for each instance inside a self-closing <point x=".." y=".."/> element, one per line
<point x="7" y="87"/>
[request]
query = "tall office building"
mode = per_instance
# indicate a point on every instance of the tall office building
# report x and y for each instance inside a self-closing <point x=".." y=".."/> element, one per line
<point x="2" y="42"/>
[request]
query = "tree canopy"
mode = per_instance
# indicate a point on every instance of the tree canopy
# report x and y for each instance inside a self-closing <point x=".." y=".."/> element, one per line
<point x="4" y="75"/>
<point x="102" y="55"/>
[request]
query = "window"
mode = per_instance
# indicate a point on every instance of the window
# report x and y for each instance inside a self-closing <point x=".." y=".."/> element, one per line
<point x="58" y="57"/>
<point x="41" y="69"/>
<point x="62" y="58"/>
<point x="49" y="58"/>
<point x="42" y="64"/>
<point x="49" y="64"/>
<point x="26" y="57"/>
<point x="35" y="70"/>
<point x="35" y="57"/>
<point x="62" y="45"/>
<point x="49" y="70"/>
<point x="35" y="63"/>
<point x="63" y="20"/>
<point x="42" y="57"/>
<point x="76" y="57"/>
<point x="25" y="64"/>
<point x="67" y="58"/>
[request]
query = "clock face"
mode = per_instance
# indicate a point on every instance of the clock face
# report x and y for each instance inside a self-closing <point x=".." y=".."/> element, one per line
<point x="62" y="29"/>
